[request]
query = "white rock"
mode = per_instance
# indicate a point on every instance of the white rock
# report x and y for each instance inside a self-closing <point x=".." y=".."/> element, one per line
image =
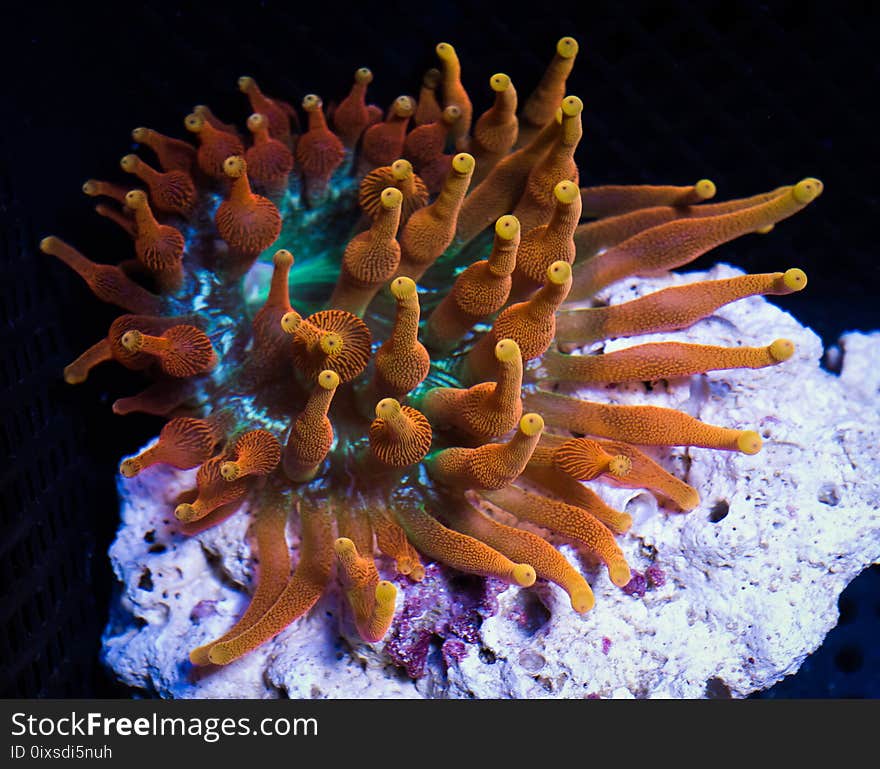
<point x="746" y="598"/>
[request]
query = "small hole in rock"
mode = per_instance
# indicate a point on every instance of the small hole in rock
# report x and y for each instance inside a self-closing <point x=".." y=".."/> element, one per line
<point x="719" y="511"/>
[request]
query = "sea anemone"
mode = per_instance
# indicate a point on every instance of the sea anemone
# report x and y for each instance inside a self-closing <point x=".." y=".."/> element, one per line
<point x="442" y="268"/>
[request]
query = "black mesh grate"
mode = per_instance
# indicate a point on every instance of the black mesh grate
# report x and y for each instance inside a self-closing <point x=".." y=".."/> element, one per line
<point x="751" y="94"/>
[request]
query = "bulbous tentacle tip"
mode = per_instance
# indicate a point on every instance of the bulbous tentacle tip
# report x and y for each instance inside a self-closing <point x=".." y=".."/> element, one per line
<point x="620" y="573"/>
<point x="531" y="424"/>
<point x="781" y="349"/>
<point x="245" y="83"/>
<point x="749" y="442"/>
<point x="572" y="106"/>
<point x="499" y="82"/>
<point x="129" y="162"/>
<point x="331" y="343"/>
<point x="283" y="259"/>
<point x="559" y="272"/>
<point x="230" y="471"/>
<point x="185" y="512"/>
<point x="90" y="188"/>
<point x="49" y="244"/>
<point x="74" y="375"/>
<point x="507" y="227"/>
<point x="387" y="408"/>
<point x="343" y="546"/>
<point x="135" y="199"/>
<point x="234" y="166"/>
<point x="363" y="76"/>
<point x="566" y="192"/>
<point x="445" y="51"/>
<point x="401" y="169"/>
<point x="403" y="106"/>
<point x="567" y="47"/>
<point x="328" y="379"/>
<point x="391" y="198"/>
<point x="705" y="189"/>
<point x="507" y="350"/>
<point x="194" y="123"/>
<point x="129" y="468"/>
<point x="291" y="321"/>
<point x="807" y="190"/>
<point x="312" y="102"/>
<point x="257" y="122"/>
<point x="582" y="600"/>
<point x="620" y="466"/>
<point x="140" y="133"/>
<point x="794" y="279"/>
<point x="132" y="341"/>
<point x="463" y="163"/>
<point x="403" y="288"/>
<point x="432" y="78"/>
<point x="524" y="575"/>
<point x="220" y="654"/>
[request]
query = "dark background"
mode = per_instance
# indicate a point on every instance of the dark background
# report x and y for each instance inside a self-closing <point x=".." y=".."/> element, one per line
<point x="752" y="95"/>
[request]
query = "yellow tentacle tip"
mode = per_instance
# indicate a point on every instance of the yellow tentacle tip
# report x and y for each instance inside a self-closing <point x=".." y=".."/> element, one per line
<point x="230" y="471"/>
<point x="220" y="654"/>
<point x="74" y="376"/>
<point x="445" y="51"/>
<point x="391" y="198"/>
<point x="582" y="600"/>
<point x="463" y="163"/>
<point x="794" y="279"/>
<point x="49" y="243"/>
<point x="135" y="199"/>
<point x="140" y="133"/>
<point x="184" y="512"/>
<point x="401" y="169"/>
<point x="328" y="379"/>
<point x="781" y="349"/>
<point x="290" y="322"/>
<point x="282" y="258"/>
<point x="807" y="190"/>
<point x="749" y="442"/>
<point x="507" y="227"/>
<point x="767" y="228"/>
<point x="132" y="340"/>
<point x="619" y="573"/>
<point x="129" y="162"/>
<point x="567" y="47"/>
<point x="130" y="468"/>
<point x="403" y="288"/>
<point x="572" y="105"/>
<point x="193" y="122"/>
<point x="363" y="75"/>
<point x="499" y="82"/>
<point x="387" y="407"/>
<point x="234" y="166"/>
<point x="705" y="189"/>
<point x="343" y="546"/>
<point x="524" y="575"/>
<point x="566" y="192"/>
<point x="311" y="102"/>
<point x="255" y="122"/>
<point x="531" y="424"/>
<point x="332" y="343"/>
<point x="507" y="350"/>
<point x="245" y="83"/>
<point x="620" y="465"/>
<point x="404" y="106"/>
<point x="90" y="188"/>
<point x="559" y="272"/>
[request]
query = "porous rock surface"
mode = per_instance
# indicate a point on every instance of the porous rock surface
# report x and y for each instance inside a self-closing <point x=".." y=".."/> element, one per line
<point x="726" y="599"/>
